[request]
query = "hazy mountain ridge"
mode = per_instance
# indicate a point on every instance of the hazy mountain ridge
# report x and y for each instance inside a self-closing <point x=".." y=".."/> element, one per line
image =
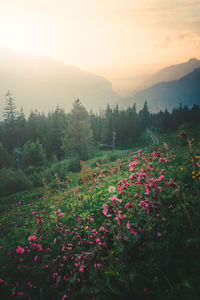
<point x="166" y="95"/>
<point x="173" y="72"/>
<point x="42" y="83"/>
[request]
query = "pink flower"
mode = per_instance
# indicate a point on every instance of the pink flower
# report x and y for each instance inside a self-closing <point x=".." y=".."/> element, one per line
<point x="120" y="216"/>
<point x="130" y="228"/>
<point x="159" y="234"/>
<point x="132" y="165"/>
<point x="37" y="246"/>
<point x="35" y="258"/>
<point x="127" y="205"/>
<point x="64" y="297"/>
<point x="105" y="209"/>
<point x="114" y="198"/>
<point x="20" y="249"/>
<point x="82" y="267"/>
<point x="32" y="238"/>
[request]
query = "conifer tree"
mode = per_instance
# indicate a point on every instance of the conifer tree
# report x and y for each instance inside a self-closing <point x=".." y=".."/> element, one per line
<point x="78" y="135"/>
<point x="10" y="115"/>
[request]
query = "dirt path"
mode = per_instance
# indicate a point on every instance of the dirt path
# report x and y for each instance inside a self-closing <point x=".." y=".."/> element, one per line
<point x="154" y="140"/>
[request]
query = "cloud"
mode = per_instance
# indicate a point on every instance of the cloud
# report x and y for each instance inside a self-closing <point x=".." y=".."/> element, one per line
<point x="166" y="40"/>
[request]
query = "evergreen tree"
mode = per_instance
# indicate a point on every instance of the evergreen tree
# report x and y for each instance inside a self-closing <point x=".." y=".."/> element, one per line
<point x="10" y="115"/>
<point x="78" y="135"/>
<point x="144" y="116"/>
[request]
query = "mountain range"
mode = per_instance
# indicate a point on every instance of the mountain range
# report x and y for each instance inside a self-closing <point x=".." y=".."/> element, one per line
<point x="43" y="83"/>
<point x="173" y="85"/>
<point x="167" y="95"/>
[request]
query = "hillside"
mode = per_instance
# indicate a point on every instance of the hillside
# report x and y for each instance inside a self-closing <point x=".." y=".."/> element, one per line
<point x="167" y="95"/>
<point x="42" y="83"/>
<point x="127" y="230"/>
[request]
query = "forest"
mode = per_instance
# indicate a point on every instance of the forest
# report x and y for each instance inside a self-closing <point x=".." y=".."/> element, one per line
<point x="40" y="145"/>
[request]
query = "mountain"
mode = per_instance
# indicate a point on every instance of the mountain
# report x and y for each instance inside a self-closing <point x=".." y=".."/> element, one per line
<point x="170" y="94"/>
<point x="42" y="83"/>
<point x="170" y="73"/>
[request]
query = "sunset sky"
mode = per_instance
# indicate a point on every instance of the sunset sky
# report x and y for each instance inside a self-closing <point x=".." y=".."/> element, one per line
<point x="107" y="35"/>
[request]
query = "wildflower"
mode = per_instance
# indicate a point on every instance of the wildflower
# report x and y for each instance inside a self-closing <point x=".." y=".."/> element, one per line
<point x="32" y="238"/>
<point x="64" y="297"/>
<point x="113" y="198"/>
<point x="165" y="146"/>
<point x="82" y="267"/>
<point x="129" y="227"/>
<point x="35" y="258"/>
<point x="159" y="234"/>
<point x="105" y="209"/>
<point x="37" y="246"/>
<point x="132" y="165"/>
<point x="127" y="204"/>
<point x="112" y="189"/>
<point x="20" y="249"/>
<point x="183" y="135"/>
<point x="119" y="216"/>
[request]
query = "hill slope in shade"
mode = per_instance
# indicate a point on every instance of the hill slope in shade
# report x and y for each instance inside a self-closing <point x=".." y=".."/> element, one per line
<point x="42" y="83"/>
<point x="170" y="73"/>
<point x="170" y="94"/>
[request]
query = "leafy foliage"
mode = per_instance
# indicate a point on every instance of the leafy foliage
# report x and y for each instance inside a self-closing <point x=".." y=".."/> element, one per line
<point x="129" y="229"/>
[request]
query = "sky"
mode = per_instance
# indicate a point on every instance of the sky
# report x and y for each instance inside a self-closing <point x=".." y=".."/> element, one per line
<point x="103" y="36"/>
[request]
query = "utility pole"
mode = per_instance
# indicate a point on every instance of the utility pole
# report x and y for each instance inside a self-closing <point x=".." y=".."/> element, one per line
<point x="18" y="158"/>
<point x="113" y="140"/>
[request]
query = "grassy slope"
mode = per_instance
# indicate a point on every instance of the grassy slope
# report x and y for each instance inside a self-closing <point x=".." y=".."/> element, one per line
<point x="163" y="279"/>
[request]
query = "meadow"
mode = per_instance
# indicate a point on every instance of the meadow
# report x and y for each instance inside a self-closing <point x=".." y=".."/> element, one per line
<point x="125" y="229"/>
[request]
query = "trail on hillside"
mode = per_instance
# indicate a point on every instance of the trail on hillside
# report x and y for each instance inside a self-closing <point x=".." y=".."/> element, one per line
<point x="154" y="140"/>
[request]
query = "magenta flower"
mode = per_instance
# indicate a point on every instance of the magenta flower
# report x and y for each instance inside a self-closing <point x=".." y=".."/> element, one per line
<point x="119" y="216"/>
<point x="130" y="228"/>
<point x="20" y="249"/>
<point x="35" y="258"/>
<point x="32" y="238"/>
<point x="105" y="209"/>
<point x="127" y="205"/>
<point x="37" y="246"/>
<point x="132" y="165"/>
<point x="114" y="198"/>
<point x="159" y="234"/>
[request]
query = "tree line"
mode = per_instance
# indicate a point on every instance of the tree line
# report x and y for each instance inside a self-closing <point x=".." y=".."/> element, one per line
<point x="60" y="135"/>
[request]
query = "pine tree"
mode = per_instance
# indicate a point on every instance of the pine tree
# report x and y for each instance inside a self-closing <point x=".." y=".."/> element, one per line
<point x="78" y="135"/>
<point x="10" y="115"/>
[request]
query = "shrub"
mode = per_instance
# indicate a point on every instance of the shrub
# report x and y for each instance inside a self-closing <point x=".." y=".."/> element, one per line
<point x="33" y="154"/>
<point x="13" y="181"/>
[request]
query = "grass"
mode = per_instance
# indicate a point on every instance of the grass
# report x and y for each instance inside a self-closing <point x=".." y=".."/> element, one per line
<point x="74" y="239"/>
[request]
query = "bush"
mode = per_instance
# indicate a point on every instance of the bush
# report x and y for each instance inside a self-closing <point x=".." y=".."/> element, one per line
<point x="33" y="154"/>
<point x="109" y="157"/>
<point x="13" y="181"/>
<point x="74" y="164"/>
<point x="61" y="168"/>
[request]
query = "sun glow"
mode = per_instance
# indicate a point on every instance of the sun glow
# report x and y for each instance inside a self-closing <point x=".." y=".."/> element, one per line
<point x="15" y="33"/>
